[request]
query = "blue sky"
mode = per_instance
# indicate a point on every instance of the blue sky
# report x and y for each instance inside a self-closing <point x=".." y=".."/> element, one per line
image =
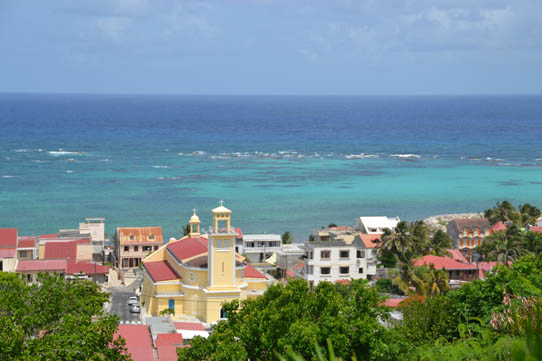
<point x="271" y="46"/>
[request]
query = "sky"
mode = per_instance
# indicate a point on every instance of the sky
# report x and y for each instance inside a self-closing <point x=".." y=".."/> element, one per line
<point x="271" y="46"/>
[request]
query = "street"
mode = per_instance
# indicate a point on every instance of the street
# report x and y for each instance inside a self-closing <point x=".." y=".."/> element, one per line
<point x="119" y="303"/>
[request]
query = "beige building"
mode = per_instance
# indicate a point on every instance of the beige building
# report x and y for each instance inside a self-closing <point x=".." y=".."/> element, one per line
<point x="135" y="243"/>
<point x="197" y="274"/>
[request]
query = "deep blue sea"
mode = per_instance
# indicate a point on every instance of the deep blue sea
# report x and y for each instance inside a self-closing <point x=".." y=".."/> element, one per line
<point x="280" y="163"/>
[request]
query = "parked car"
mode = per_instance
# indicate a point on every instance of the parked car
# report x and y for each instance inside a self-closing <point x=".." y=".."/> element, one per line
<point x="132" y="300"/>
<point x="135" y="308"/>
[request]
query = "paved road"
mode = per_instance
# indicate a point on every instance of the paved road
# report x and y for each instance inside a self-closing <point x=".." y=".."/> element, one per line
<point x="119" y="303"/>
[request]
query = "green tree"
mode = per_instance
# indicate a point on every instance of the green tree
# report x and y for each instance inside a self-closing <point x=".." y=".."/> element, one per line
<point x="311" y="238"/>
<point x="508" y="246"/>
<point x="503" y="212"/>
<point x="529" y="214"/>
<point x="185" y="230"/>
<point x="331" y="225"/>
<point x="56" y="320"/>
<point x="439" y="244"/>
<point x="292" y="316"/>
<point x="287" y="238"/>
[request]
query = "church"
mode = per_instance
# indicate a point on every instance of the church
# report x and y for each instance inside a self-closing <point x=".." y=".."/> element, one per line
<point x="197" y="274"/>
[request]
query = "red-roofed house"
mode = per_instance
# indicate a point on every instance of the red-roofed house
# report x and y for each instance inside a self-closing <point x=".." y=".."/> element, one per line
<point x="189" y="330"/>
<point x="95" y="271"/>
<point x="456" y="270"/>
<point x="31" y="268"/>
<point x="8" y="237"/>
<point x="138" y="341"/>
<point x="499" y="227"/>
<point x="168" y="339"/>
<point x="195" y="275"/>
<point x="8" y="260"/>
<point x="537" y="229"/>
<point x="167" y="353"/>
<point x="135" y="243"/>
<point x="66" y="250"/>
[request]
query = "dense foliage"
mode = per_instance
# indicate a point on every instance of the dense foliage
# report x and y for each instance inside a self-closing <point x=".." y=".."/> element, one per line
<point x="55" y="320"/>
<point x="292" y="316"/>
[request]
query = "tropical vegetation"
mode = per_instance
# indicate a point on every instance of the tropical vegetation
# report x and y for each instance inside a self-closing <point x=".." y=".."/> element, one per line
<point x="56" y="319"/>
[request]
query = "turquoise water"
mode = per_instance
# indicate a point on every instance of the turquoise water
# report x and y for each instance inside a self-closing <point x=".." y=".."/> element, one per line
<point x="280" y="163"/>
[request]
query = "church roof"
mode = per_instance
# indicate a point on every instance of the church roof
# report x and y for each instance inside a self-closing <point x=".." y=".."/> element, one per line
<point x="188" y="247"/>
<point x="221" y="209"/>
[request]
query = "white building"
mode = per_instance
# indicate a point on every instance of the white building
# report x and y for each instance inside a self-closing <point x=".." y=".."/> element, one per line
<point x="330" y="261"/>
<point x="375" y="225"/>
<point x="258" y="247"/>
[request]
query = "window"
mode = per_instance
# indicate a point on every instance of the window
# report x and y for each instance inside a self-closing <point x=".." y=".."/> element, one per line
<point x="218" y="244"/>
<point x="22" y="254"/>
<point x="29" y="278"/>
<point x="310" y="269"/>
<point x="132" y="237"/>
<point x="151" y="236"/>
<point x="126" y="248"/>
<point x="147" y="248"/>
<point x="360" y="270"/>
<point x="325" y="254"/>
<point x="344" y="270"/>
<point x="226" y="244"/>
<point x="374" y="252"/>
<point x="136" y="248"/>
<point x="360" y="254"/>
<point x="345" y="254"/>
<point x="155" y="248"/>
<point x="192" y="276"/>
<point x="325" y="270"/>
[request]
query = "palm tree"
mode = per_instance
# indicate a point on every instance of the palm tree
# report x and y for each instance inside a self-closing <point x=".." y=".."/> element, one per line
<point x="439" y="244"/>
<point x="529" y="214"/>
<point x="405" y="274"/>
<point x="397" y="241"/>
<point x="287" y="238"/>
<point x="507" y="246"/>
<point x="438" y="281"/>
<point x="503" y="212"/>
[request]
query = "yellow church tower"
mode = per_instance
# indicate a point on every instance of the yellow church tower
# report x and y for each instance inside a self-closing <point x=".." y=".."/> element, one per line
<point x="221" y="255"/>
<point x="194" y="225"/>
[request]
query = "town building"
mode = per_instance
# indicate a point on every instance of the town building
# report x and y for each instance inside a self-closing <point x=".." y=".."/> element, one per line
<point x="367" y="246"/>
<point x="458" y="271"/>
<point x="258" y="247"/>
<point x="135" y="243"/>
<point x="330" y="261"/>
<point x="468" y="233"/>
<point x="375" y="225"/>
<point x="198" y="273"/>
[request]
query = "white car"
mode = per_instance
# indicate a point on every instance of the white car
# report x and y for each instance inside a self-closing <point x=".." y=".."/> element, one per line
<point x="135" y="308"/>
<point x="132" y="300"/>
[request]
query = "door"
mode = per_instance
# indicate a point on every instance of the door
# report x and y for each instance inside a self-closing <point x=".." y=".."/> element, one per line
<point x="222" y="313"/>
<point x="171" y="305"/>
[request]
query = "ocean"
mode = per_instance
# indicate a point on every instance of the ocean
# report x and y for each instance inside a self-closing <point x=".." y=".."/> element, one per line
<point x="280" y="163"/>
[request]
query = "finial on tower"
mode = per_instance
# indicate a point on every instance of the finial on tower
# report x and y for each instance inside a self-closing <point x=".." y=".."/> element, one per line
<point x="221" y="202"/>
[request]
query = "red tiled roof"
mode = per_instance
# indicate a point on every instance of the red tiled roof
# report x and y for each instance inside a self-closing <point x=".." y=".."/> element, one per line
<point x="444" y="263"/>
<point x="26" y="244"/>
<point x="8" y="237"/>
<point x="457" y="255"/>
<point x="188" y="247"/>
<point x="53" y="235"/>
<point x="369" y="239"/>
<point x="42" y="265"/>
<point x="537" y="229"/>
<point x="86" y="268"/>
<point x="140" y="234"/>
<point x="192" y="326"/>
<point x="392" y="302"/>
<point x="138" y="341"/>
<point x="499" y="226"/>
<point x="82" y="241"/>
<point x="7" y="252"/>
<point x="66" y="250"/>
<point x="168" y="339"/>
<point x="343" y="281"/>
<point x="251" y="272"/>
<point x="160" y="271"/>
<point x="239" y="232"/>
<point x="167" y="353"/>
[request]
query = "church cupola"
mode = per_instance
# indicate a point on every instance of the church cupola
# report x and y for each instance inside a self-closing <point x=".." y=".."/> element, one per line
<point x="221" y="219"/>
<point x="194" y="225"/>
